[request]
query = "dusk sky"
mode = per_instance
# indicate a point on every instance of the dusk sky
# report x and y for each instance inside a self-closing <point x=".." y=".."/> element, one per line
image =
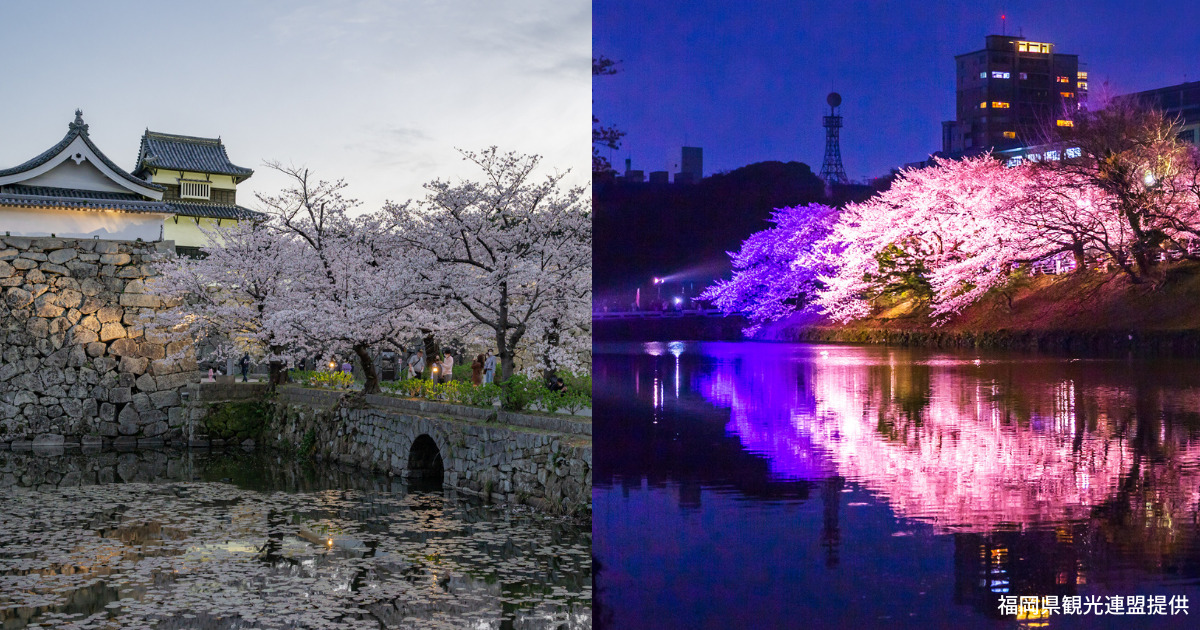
<point x="373" y="91"/>
<point x="747" y="81"/>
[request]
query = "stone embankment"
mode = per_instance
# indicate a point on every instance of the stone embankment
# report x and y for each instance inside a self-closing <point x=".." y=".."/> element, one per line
<point x="76" y="366"/>
<point x="541" y="461"/>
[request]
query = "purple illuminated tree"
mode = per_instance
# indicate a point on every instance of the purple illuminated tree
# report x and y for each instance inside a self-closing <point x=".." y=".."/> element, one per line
<point x="776" y="271"/>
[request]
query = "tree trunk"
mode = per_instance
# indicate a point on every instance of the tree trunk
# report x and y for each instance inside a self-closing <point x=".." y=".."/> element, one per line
<point x="368" y="366"/>
<point x="552" y="339"/>
<point x="278" y="374"/>
<point x="1080" y="260"/>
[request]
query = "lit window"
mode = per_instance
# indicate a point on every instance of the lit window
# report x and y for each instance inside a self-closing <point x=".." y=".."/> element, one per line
<point x="999" y="105"/>
<point x="1033" y="157"/>
<point x="1083" y="85"/>
<point x="1052" y="156"/>
<point x="983" y="75"/>
<point x="1067" y="94"/>
<point x="1063" y="80"/>
<point x="983" y="105"/>
<point x="1066" y="123"/>
<point x="1033" y="47"/>
<point x="1013" y="161"/>
<point x="1024" y="76"/>
<point x="996" y="74"/>
<point x="1081" y="75"/>
<point x="1073" y="152"/>
<point x="1010" y="134"/>
<point x="193" y="189"/>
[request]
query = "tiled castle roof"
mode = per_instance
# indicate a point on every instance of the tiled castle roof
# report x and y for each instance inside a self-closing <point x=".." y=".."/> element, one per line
<point x="77" y="129"/>
<point x="212" y="210"/>
<point x="186" y="153"/>
<point x="19" y="195"/>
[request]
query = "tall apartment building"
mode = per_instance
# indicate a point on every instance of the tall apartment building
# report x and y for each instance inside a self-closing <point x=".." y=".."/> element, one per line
<point x="1009" y="90"/>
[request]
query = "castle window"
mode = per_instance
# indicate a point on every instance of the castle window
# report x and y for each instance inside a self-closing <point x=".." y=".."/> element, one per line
<point x="1066" y="123"/>
<point x="1010" y="134"/>
<point x="189" y="189"/>
<point x="996" y="74"/>
<point x="999" y="105"/>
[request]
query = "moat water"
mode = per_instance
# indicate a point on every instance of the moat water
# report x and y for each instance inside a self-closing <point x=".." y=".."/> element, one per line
<point x="170" y="539"/>
<point x="755" y="485"/>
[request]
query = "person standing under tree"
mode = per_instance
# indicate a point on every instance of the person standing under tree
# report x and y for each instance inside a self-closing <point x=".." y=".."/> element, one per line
<point x="448" y="368"/>
<point x="418" y="364"/>
<point x="477" y="370"/>
<point x="489" y="368"/>
<point x="245" y="367"/>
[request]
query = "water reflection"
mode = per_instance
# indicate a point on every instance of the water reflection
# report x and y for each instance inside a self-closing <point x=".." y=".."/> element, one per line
<point x="958" y="475"/>
<point x="184" y="540"/>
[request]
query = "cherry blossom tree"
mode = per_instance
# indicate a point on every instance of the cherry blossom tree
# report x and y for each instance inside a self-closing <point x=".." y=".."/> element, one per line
<point x="309" y="279"/>
<point x="510" y="253"/>
<point x="1134" y="157"/>
<point x="776" y="271"/>
<point x="228" y="296"/>
<point x="354" y="285"/>
<point x="937" y="233"/>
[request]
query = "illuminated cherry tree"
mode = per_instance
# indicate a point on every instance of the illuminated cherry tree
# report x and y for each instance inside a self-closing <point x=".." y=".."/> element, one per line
<point x="937" y="234"/>
<point x="510" y="254"/>
<point x="776" y="271"/>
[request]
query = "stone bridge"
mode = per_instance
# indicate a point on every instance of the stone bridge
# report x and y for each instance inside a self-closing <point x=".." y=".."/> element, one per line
<point x="520" y="458"/>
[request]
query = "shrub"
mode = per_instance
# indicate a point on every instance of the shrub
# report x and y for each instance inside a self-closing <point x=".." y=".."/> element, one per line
<point x="517" y="392"/>
<point x="340" y="380"/>
<point x="462" y="372"/>
<point x="579" y="383"/>
<point x="483" y="395"/>
<point x="549" y="400"/>
<point x="301" y="376"/>
<point x="237" y="420"/>
<point x="573" y="401"/>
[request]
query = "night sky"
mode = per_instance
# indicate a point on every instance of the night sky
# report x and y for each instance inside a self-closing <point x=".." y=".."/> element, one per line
<point x="746" y="81"/>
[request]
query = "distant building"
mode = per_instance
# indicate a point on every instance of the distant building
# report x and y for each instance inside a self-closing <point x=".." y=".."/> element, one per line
<point x="73" y="190"/>
<point x="1177" y="101"/>
<point x="660" y="177"/>
<point x="1009" y="90"/>
<point x="631" y="176"/>
<point x="692" y="163"/>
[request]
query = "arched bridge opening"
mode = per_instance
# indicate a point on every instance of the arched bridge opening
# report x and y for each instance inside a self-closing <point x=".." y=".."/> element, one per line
<point x="425" y="461"/>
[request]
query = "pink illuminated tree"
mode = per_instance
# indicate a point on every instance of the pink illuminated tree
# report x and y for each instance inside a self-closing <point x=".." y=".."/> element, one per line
<point x="937" y="234"/>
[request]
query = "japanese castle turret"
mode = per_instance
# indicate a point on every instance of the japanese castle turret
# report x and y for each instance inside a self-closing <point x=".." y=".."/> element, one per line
<point x="73" y="190"/>
<point x="199" y="181"/>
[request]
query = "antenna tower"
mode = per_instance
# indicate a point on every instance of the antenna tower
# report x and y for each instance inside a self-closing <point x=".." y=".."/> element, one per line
<point x="832" y="170"/>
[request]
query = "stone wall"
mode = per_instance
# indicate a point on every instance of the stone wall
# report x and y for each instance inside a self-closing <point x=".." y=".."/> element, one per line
<point x="75" y="363"/>
<point x="547" y="469"/>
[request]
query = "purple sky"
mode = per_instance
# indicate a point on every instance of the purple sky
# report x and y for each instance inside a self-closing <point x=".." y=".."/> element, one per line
<point x="747" y="80"/>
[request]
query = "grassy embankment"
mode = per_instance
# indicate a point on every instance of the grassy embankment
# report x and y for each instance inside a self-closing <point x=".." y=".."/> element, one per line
<point x="1089" y="312"/>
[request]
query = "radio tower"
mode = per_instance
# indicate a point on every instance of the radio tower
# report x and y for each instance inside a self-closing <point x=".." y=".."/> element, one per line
<point x="832" y="170"/>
